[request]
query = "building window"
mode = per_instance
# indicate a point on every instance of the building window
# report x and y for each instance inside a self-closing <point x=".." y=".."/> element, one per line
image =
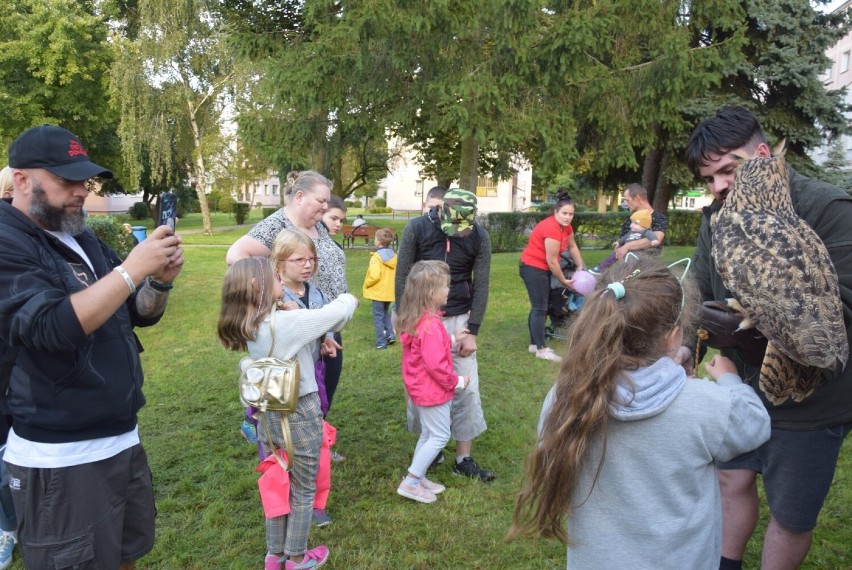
<point x="275" y="189"/>
<point x="418" y="187"/>
<point x="486" y="187"/>
<point x="266" y="189"/>
<point x="844" y="62"/>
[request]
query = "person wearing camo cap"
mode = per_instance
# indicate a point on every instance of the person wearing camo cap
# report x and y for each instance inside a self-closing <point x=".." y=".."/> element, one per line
<point x="450" y="233"/>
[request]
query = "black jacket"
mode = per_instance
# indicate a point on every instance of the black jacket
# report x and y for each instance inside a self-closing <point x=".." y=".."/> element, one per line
<point x="469" y="258"/>
<point x="65" y="385"/>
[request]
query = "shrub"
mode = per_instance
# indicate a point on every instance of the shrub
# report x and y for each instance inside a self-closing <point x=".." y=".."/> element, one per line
<point x="351" y="204"/>
<point x="376" y="210"/>
<point x="140" y="211"/>
<point x="113" y="232"/>
<point x="258" y="205"/>
<point x="213" y="200"/>
<point x="226" y="204"/>
<point x="268" y="211"/>
<point x="241" y="211"/>
<point x="380" y="203"/>
<point x="509" y="231"/>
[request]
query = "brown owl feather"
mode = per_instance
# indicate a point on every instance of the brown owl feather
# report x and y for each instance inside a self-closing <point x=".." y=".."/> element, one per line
<point x="783" y="279"/>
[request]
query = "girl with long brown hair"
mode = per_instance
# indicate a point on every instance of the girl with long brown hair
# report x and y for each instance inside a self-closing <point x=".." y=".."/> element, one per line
<point x="250" y="319"/>
<point x="627" y="442"/>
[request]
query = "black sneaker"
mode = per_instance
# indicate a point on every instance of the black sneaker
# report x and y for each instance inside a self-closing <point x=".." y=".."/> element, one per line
<point x="469" y="468"/>
<point x="439" y="460"/>
<point x="390" y="339"/>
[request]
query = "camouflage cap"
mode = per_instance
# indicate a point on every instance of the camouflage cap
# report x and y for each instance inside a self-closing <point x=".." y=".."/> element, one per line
<point x="459" y="211"/>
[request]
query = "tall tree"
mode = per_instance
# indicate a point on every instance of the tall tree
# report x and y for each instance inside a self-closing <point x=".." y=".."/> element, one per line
<point x="775" y="73"/>
<point x="170" y="83"/>
<point x="54" y="59"/>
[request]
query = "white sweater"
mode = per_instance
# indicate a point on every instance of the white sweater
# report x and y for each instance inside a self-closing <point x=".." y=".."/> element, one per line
<point x="656" y="502"/>
<point x="298" y="331"/>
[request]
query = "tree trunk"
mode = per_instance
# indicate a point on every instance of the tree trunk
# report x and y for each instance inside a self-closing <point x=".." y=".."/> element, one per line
<point x="446" y="183"/>
<point x="651" y="166"/>
<point x="601" y="199"/>
<point x="200" y="174"/>
<point x="469" y="166"/>
<point x="663" y="190"/>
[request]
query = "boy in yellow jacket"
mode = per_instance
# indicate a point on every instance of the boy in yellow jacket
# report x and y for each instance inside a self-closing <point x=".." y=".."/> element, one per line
<point x="379" y="286"/>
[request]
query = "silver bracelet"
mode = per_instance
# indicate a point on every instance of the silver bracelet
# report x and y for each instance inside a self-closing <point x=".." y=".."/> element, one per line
<point x="127" y="279"/>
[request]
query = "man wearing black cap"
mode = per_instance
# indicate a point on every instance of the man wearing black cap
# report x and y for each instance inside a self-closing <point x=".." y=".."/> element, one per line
<point x="79" y="476"/>
<point x="449" y="233"/>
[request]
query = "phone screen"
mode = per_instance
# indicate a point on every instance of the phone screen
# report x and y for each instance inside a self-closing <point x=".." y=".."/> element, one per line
<point x="168" y="210"/>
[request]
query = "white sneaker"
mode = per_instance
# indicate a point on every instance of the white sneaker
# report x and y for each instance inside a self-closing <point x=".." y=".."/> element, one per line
<point x="532" y="348"/>
<point x="548" y="354"/>
<point x="7" y="546"/>
<point x="416" y="493"/>
<point x="431" y="486"/>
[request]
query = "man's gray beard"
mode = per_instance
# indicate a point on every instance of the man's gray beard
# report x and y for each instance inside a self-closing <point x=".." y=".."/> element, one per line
<point x="53" y="218"/>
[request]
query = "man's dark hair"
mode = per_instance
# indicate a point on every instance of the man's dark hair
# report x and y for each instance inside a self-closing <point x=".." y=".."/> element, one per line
<point x="436" y="192"/>
<point x="636" y="190"/>
<point x="731" y="128"/>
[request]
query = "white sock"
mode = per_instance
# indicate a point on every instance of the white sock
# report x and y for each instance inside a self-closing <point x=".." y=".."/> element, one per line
<point x="460" y="458"/>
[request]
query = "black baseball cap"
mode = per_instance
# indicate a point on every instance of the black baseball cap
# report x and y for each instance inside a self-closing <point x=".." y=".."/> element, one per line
<point x="56" y="150"/>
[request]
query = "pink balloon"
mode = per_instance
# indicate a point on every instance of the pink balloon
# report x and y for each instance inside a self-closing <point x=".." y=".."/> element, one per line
<point x="584" y="282"/>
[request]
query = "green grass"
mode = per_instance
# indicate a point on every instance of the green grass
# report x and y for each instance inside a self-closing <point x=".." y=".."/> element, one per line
<point x="209" y="511"/>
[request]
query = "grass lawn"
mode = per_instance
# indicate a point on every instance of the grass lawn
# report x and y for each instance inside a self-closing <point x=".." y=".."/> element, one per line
<point x="209" y="511"/>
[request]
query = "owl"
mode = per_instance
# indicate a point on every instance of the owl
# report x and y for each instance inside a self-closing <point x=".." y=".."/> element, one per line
<point x="782" y="279"/>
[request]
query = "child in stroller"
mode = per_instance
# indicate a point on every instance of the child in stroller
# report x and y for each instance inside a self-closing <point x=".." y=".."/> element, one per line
<point x="563" y="302"/>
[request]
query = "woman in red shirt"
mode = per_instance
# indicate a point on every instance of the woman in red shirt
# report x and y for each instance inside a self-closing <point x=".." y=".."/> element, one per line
<point x="540" y="260"/>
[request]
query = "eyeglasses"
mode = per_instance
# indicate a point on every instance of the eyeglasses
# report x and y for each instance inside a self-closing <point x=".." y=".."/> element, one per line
<point x="303" y="261"/>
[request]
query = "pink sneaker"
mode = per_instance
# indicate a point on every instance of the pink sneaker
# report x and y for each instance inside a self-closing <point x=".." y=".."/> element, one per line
<point x="314" y="558"/>
<point x="417" y="493"/>
<point x="431" y="486"/>
<point x="273" y="562"/>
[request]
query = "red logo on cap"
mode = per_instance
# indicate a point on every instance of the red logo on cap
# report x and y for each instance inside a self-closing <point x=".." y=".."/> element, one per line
<point x="75" y="148"/>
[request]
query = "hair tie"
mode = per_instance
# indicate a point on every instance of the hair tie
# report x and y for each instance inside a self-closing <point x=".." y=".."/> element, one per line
<point x="617" y="289"/>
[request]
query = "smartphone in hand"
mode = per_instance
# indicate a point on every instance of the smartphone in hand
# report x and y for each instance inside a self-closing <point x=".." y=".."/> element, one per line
<point x="168" y="210"/>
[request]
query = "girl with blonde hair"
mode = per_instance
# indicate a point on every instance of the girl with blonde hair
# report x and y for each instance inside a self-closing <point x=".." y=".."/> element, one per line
<point x="427" y="371"/>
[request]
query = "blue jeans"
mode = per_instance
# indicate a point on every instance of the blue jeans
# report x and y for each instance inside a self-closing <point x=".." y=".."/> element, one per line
<point x="382" y="321"/>
<point x="8" y="520"/>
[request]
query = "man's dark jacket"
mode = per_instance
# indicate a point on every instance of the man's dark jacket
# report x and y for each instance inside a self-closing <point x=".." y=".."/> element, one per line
<point x="469" y="258"/>
<point x="65" y="385"/>
<point x="828" y="210"/>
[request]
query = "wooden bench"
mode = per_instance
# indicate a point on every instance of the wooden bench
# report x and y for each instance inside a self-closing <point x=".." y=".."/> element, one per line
<point x="365" y="231"/>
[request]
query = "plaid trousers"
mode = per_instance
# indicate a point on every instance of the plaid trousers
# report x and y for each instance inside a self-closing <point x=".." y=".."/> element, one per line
<point x="289" y="533"/>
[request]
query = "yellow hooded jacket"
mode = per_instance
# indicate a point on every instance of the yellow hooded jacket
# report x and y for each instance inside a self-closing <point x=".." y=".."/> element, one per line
<point x="381" y="275"/>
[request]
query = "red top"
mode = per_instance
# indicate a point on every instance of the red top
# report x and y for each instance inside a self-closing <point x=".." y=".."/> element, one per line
<point x="534" y="254"/>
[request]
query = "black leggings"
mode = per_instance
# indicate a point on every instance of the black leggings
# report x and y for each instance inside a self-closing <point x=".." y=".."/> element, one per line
<point x="333" y="368"/>
<point x="537" y="282"/>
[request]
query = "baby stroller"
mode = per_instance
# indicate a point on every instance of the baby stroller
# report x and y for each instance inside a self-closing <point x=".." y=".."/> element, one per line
<point x="563" y="302"/>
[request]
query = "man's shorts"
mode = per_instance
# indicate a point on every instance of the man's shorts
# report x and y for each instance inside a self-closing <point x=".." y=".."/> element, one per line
<point x="95" y="515"/>
<point x="797" y="469"/>
<point x="468" y="420"/>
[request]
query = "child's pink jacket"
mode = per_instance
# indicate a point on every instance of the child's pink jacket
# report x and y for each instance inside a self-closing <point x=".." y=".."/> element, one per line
<point x="274" y="484"/>
<point x="427" y="363"/>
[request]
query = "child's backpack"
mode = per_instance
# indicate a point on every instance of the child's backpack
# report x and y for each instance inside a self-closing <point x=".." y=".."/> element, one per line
<point x="271" y="385"/>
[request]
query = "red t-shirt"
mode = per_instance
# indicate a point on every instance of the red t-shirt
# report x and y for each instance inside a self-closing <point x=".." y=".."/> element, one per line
<point x="534" y="254"/>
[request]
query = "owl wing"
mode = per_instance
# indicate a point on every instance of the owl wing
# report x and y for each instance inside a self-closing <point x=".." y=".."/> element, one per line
<point x="779" y="271"/>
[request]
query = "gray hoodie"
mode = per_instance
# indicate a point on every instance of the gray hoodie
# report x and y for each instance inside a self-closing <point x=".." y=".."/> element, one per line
<point x="656" y="500"/>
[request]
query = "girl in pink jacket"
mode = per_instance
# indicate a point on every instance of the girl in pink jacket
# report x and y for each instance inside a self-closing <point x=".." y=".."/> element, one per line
<point x="427" y="370"/>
